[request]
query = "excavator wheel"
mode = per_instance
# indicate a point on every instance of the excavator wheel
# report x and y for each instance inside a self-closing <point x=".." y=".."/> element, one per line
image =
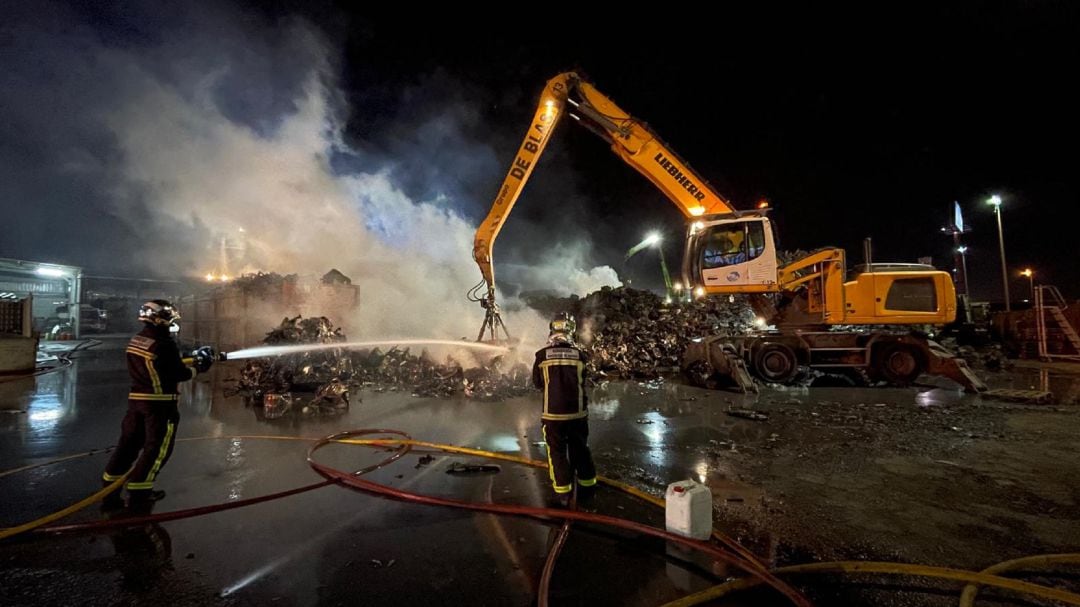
<point x="775" y="362"/>
<point x="898" y="364"/>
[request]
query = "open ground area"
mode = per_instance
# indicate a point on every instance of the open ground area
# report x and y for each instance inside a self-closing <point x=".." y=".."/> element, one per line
<point x="923" y="475"/>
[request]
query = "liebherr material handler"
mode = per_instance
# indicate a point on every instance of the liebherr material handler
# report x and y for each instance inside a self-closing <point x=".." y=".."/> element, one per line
<point x="728" y="251"/>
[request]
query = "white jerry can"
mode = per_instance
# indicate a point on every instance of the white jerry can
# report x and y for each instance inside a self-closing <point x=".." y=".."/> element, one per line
<point x="689" y="509"/>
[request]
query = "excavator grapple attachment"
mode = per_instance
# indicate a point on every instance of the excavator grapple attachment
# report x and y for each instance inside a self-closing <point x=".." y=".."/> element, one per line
<point x="946" y="364"/>
<point x="712" y="362"/>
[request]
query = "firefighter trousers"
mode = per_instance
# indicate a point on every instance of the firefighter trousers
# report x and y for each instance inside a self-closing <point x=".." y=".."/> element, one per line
<point x="568" y="454"/>
<point x="147" y="436"/>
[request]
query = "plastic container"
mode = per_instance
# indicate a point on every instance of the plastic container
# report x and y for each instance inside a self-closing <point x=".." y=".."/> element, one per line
<point x="689" y="509"/>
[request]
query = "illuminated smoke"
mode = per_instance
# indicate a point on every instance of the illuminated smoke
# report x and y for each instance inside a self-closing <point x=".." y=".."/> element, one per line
<point x="220" y="131"/>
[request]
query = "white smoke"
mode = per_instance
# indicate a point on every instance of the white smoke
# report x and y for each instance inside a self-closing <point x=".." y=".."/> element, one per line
<point x="196" y="168"/>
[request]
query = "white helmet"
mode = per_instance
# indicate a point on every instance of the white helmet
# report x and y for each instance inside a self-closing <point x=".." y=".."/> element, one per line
<point x="159" y="312"/>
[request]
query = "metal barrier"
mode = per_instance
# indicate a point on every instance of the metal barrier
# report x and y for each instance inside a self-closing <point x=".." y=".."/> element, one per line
<point x="1056" y="309"/>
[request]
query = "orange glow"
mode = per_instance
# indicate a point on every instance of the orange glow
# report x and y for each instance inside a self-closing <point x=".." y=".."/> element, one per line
<point x="763" y="204"/>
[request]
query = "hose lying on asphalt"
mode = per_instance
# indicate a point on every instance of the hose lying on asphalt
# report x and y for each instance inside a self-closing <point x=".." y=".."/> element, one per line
<point x="549" y="563"/>
<point x="59" y="514"/>
<point x="724" y="539"/>
<point x="752" y="566"/>
<point x="54" y="461"/>
<point x="403" y="444"/>
<point x="967" y="598"/>
<point x="546" y="513"/>
<point x="853" y="567"/>
<point x="717" y="535"/>
<point x="133" y="521"/>
<point x="62" y="363"/>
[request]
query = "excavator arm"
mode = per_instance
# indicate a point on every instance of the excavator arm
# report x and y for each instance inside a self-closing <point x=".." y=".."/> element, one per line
<point x="630" y="139"/>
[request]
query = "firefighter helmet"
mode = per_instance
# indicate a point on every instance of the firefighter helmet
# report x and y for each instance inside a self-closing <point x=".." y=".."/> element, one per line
<point x="562" y="326"/>
<point x="159" y="312"/>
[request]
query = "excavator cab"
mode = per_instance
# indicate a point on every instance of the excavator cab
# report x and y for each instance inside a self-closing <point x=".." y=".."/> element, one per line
<point x="731" y="254"/>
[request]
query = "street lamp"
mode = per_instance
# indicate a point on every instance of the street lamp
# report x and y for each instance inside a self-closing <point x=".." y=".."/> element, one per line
<point x="995" y="201"/>
<point x="1031" y="280"/>
<point x="653" y="239"/>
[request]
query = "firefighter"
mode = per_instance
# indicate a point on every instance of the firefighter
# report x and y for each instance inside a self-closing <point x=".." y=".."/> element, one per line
<point x="559" y="371"/>
<point x="148" y="432"/>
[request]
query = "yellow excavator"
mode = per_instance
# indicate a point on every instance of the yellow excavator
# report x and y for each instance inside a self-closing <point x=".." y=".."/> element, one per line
<point x="728" y="251"/>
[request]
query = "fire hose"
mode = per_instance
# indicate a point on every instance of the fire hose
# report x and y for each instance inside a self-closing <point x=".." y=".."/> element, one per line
<point x="567" y="515"/>
<point x="758" y="575"/>
<point x="336" y="476"/>
<point x="105" y="525"/>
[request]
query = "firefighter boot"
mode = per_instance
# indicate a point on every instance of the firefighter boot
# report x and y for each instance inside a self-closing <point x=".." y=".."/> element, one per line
<point x="559" y="500"/>
<point x="142" y="501"/>
<point x="113" y="501"/>
<point x="586" y="496"/>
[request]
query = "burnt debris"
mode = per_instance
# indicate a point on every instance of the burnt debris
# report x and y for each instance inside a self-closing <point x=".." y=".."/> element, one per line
<point x="634" y="334"/>
<point x="324" y="379"/>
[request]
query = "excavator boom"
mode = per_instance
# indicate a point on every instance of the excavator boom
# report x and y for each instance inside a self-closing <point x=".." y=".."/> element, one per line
<point x="630" y="139"/>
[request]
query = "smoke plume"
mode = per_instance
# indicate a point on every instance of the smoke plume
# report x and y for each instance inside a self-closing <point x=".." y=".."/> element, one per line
<point x="204" y="143"/>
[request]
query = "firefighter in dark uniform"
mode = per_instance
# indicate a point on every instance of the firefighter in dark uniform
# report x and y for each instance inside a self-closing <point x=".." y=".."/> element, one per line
<point x="148" y="432"/>
<point x="559" y="371"/>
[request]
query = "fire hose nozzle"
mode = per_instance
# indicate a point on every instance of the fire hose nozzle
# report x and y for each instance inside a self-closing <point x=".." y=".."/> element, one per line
<point x="212" y="354"/>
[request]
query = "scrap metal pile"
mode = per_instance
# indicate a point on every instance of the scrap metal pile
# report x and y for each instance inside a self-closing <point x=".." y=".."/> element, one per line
<point x="398" y="369"/>
<point x="990" y="356"/>
<point x="327" y="376"/>
<point x="261" y="283"/>
<point x="633" y="334"/>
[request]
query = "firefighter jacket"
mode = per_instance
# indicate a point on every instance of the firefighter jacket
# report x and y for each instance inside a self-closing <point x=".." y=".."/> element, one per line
<point x="559" y="371"/>
<point x="155" y="365"/>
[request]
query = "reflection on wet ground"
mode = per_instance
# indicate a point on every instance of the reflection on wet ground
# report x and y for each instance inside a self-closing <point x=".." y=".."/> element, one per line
<point x="925" y="474"/>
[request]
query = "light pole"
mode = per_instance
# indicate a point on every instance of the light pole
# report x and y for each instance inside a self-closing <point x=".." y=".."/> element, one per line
<point x="1031" y="280"/>
<point x="962" y="250"/>
<point x="653" y="239"/>
<point x="995" y="201"/>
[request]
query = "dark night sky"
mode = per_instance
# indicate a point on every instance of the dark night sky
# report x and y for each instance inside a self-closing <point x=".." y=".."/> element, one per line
<point x="853" y="122"/>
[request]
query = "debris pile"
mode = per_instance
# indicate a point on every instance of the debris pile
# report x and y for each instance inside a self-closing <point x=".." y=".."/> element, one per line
<point x="299" y="330"/>
<point x="327" y="376"/>
<point x="991" y="357"/>
<point x="262" y="283"/>
<point x="630" y="333"/>
<point x="399" y="369"/>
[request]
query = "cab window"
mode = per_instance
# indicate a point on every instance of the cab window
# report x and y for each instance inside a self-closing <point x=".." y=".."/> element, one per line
<point x="755" y="237"/>
<point x="733" y="244"/>
<point x="724" y="246"/>
<point x="912" y="295"/>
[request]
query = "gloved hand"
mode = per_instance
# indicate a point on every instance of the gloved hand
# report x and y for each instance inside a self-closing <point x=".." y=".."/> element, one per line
<point x="204" y="358"/>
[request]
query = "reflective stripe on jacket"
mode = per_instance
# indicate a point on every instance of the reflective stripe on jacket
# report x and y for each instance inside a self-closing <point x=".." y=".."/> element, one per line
<point x="155" y="366"/>
<point x="559" y="370"/>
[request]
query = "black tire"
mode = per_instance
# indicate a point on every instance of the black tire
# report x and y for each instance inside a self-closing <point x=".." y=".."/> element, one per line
<point x="775" y="363"/>
<point x="898" y="364"/>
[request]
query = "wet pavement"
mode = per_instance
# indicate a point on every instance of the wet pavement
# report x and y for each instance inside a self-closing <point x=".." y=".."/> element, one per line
<point x="926" y="475"/>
